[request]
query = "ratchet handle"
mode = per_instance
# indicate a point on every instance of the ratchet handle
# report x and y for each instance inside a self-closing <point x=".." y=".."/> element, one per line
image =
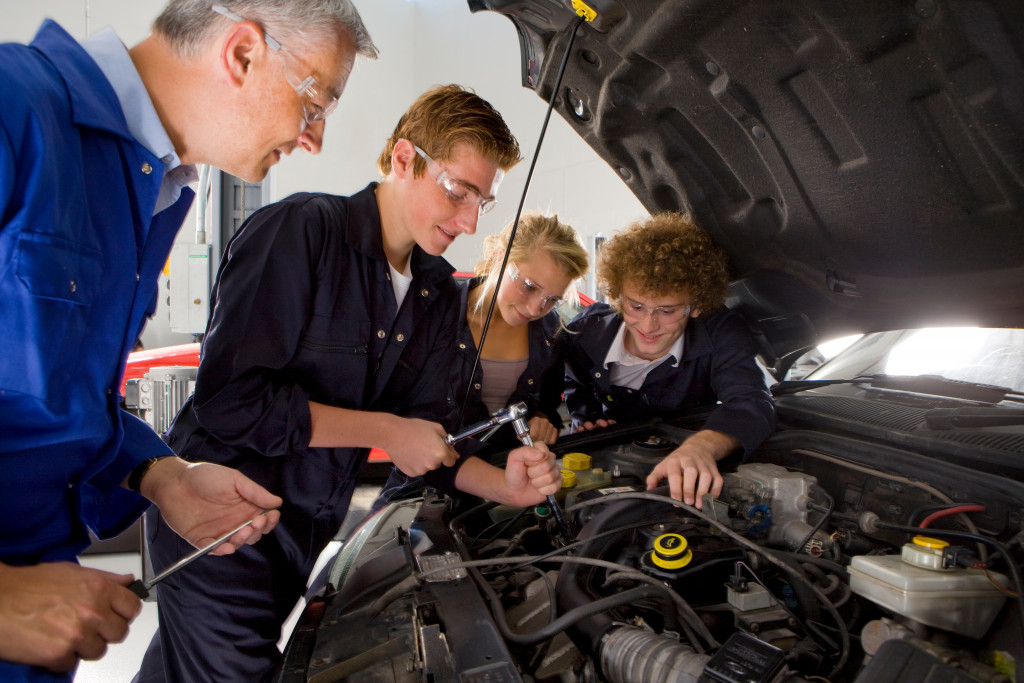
<point x="523" y="432"/>
<point x="140" y="588"/>
<point x="509" y="414"/>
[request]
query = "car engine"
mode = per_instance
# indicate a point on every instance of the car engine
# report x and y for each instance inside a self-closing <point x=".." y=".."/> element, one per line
<point x="823" y="559"/>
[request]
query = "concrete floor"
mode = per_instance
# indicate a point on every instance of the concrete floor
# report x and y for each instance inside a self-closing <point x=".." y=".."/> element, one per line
<point x="122" y="660"/>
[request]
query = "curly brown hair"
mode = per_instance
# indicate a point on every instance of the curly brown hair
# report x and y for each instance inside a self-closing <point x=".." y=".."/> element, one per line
<point x="665" y="255"/>
<point x="446" y="115"/>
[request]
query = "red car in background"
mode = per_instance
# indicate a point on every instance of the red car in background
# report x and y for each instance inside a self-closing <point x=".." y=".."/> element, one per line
<point x="140" y="362"/>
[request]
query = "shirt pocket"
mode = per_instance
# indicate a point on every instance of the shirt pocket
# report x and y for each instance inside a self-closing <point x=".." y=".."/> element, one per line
<point x="333" y="360"/>
<point x="47" y="306"/>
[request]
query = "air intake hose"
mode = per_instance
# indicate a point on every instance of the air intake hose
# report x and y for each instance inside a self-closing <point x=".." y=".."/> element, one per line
<point x="574" y="579"/>
<point x="631" y="654"/>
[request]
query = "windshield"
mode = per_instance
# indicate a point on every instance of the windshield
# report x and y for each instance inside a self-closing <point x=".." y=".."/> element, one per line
<point x="968" y="354"/>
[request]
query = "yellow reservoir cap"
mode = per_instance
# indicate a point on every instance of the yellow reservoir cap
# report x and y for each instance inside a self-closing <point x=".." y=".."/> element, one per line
<point x="929" y="542"/>
<point x="584" y="10"/>
<point x="671" y="551"/>
<point x="576" y="461"/>
<point x="568" y="479"/>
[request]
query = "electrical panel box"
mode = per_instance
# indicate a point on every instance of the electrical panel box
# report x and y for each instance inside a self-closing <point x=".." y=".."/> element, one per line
<point x="189" y="285"/>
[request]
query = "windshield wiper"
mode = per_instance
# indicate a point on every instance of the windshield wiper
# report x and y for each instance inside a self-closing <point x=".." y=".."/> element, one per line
<point x="795" y="386"/>
<point x="933" y="385"/>
<point x="974" y="417"/>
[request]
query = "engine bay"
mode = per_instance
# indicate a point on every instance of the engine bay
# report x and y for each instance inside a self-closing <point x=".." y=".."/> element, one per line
<point x="824" y="559"/>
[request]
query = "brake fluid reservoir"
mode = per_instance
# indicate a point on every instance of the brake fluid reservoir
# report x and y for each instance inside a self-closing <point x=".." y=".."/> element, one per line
<point x="578" y="475"/>
<point x="576" y="461"/>
<point x="915" y="585"/>
<point x="925" y="552"/>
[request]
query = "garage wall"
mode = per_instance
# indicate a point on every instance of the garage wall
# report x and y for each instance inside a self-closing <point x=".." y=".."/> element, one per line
<point x="423" y="43"/>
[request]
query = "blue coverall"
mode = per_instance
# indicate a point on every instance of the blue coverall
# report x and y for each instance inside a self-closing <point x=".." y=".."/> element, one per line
<point x="80" y="253"/>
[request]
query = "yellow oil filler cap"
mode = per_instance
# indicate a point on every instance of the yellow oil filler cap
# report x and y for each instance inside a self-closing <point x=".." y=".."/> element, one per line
<point x="568" y="479"/>
<point x="671" y="551"/>
<point x="576" y="461"/>
<point x="925" y="552"/>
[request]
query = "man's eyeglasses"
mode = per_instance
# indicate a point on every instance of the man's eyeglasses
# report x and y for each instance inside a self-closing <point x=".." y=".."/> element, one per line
<point x="528" y="289"/>
<point x="634" y="310"/>
<point x="459" y="192"/>
<point x="317" y="103"/>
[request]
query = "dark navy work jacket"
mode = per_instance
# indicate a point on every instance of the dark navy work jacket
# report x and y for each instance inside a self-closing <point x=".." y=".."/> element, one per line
<point x="717" y="369"/>
<point x="539" y="387"/>
<point x="304" y="310"/>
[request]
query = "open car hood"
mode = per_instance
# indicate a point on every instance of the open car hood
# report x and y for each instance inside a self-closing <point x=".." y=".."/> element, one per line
<point x="861" y="162"/>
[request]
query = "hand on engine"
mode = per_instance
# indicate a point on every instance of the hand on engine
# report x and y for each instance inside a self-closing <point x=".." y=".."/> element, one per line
<point x="530" y="475"/>
<point x="692" y="469"/>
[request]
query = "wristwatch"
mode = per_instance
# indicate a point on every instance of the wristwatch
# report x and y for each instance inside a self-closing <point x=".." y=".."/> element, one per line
<point x="135" y="478"/>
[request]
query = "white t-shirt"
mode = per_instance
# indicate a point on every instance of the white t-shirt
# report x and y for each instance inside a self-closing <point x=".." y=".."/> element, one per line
<point x="401" y="282"/>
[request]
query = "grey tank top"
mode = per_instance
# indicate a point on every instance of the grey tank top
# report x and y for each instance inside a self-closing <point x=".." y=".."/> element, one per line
<point x="499" y="380"/>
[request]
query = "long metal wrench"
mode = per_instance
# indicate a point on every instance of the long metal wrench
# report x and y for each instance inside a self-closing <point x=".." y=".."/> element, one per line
<point x="523" y="432"/>
<point x="516" y="414"/>
<point x="142" y="587"/>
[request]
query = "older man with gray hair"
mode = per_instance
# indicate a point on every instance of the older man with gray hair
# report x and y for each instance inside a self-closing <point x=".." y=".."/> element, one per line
<point x="98" y="144"/>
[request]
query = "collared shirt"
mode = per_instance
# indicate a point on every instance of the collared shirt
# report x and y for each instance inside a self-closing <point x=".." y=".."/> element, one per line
<point x="717" y="371"/>
<point x="112" y="57"/>
<point x="630" y="371"/>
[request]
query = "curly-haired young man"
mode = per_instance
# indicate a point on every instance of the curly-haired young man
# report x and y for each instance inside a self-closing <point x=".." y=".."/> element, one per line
<point x="665" y="344"/>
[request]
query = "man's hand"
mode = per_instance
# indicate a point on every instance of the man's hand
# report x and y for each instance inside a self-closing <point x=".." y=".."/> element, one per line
<point x="54" y="613"/>
<point x="203" y="501"/>
<point x="589" y="426"/>
<point x="542" y="431"/>
<point x="414" y="446"/>
<point x="417" y="446"/>
<point x="692" y="469"/>
<point x="530" y="475"/>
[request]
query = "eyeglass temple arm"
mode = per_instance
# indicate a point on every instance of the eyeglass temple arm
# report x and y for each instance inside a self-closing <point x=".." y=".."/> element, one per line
<point x="271" y="42"/>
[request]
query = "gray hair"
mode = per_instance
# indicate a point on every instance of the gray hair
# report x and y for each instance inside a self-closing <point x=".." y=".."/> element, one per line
<point x="187" y="24"/>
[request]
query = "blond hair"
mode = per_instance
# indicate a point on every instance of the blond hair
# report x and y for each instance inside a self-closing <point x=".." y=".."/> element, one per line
<point x="535" y="232"/>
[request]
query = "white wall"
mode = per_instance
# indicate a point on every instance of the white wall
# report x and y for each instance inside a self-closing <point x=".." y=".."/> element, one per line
<point x="422" y="43"/>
